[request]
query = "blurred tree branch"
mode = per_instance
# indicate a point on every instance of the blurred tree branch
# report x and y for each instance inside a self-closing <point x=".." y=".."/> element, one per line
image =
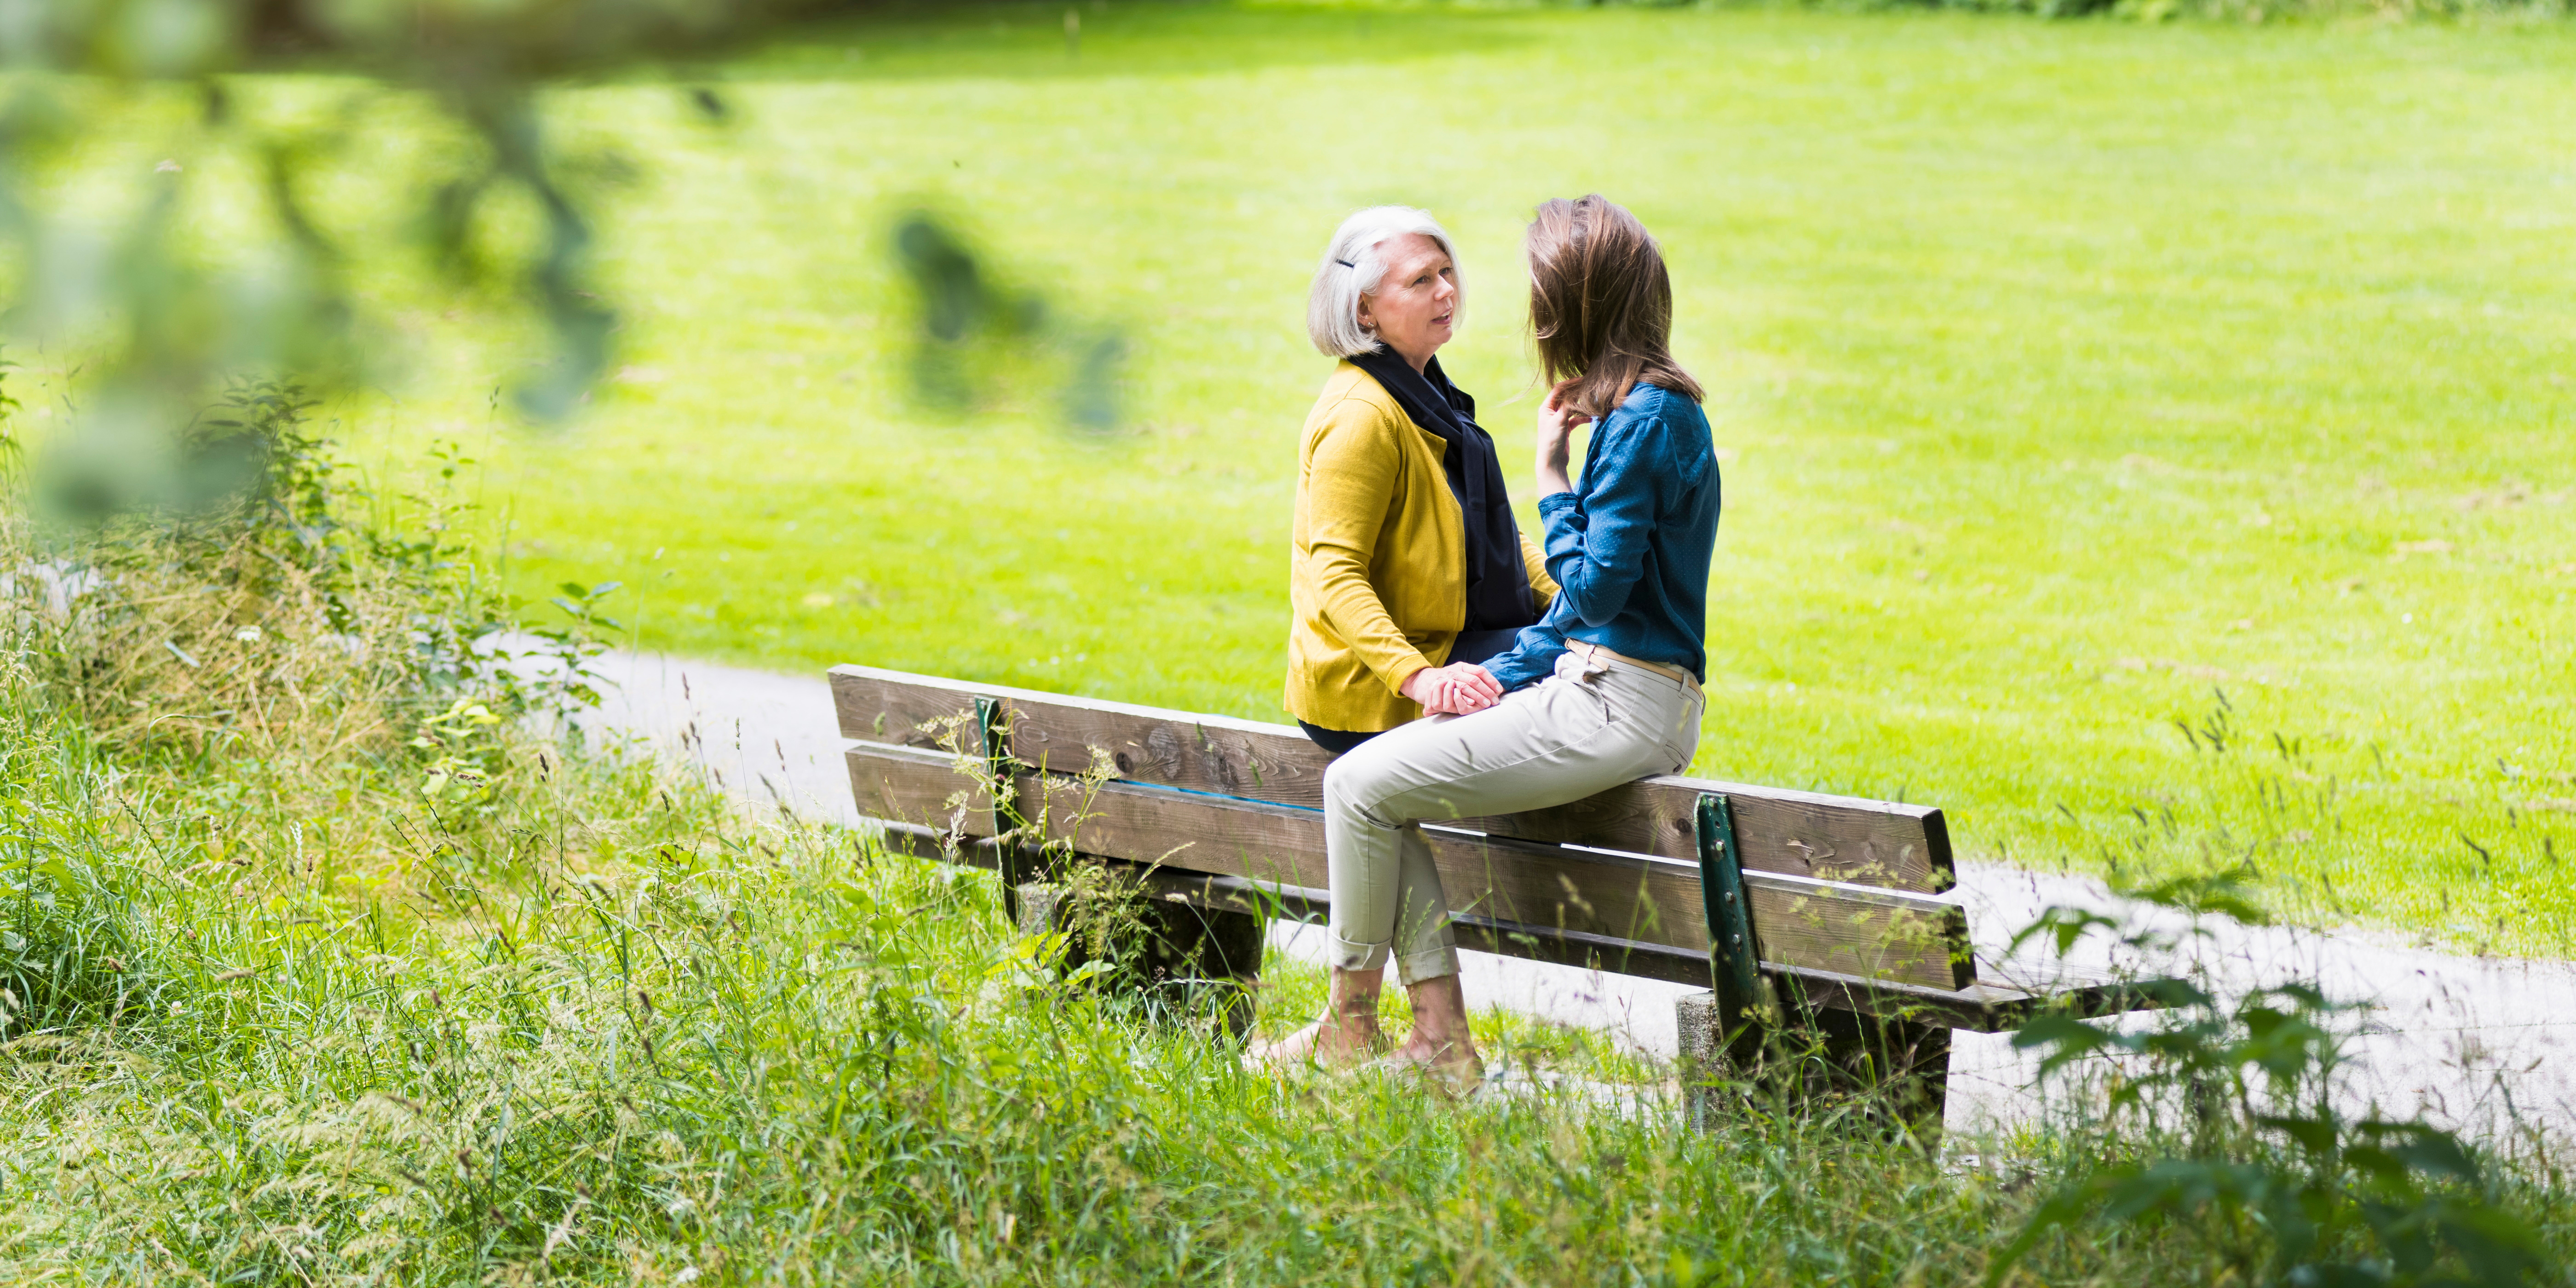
<point x="172" y="325"/>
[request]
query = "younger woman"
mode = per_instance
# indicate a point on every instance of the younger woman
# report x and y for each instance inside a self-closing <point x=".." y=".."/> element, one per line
<point x="1603" y="690"/>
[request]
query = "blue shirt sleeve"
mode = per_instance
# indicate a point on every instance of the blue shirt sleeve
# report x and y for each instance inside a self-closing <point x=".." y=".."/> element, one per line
<point x="1597" y="538"/>
<point x="1532" y="659"/>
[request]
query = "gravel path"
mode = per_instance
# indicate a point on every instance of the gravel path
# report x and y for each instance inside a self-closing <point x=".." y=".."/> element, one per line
<point x="2480" y="1043"/>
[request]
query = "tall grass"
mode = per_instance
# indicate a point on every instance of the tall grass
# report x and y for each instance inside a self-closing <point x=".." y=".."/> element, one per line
<point x="338" y="982"/>
<point x="675" y="1039"/>
<point x="679" y="1040"/>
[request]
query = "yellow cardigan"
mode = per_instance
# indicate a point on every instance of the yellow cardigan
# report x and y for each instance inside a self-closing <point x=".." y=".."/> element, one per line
<point x="1377" y="578"/>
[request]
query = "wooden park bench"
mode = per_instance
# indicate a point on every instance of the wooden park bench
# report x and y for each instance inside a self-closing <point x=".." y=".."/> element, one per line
<point x="1828" y="912"/>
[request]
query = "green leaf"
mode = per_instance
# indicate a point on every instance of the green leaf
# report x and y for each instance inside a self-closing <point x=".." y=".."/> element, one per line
<point x="2315" y="1135"/>
<point x="2227" y="893"/>
<point x="2501" y="1248"/>
<point x="2438" y="1153"/>
<point x="2376" y="1163"/>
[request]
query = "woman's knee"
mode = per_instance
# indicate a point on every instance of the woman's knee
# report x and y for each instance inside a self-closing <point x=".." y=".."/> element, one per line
<point x="1345" y="778"/>
<point x="1355" y="785"/>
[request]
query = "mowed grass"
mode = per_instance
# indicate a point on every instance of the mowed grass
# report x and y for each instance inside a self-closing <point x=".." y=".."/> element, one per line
<point x="2072" y="380"/>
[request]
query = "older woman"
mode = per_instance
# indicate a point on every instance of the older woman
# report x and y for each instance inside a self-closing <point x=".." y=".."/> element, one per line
<point x="1407" y="570"/>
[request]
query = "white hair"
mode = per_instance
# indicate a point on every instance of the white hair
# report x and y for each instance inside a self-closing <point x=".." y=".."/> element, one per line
<point x="1353" y="267"/>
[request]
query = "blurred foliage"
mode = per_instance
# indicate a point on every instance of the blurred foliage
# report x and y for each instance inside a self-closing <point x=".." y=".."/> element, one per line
<point x="173" y="322"/>
<point x="978" y="336"/>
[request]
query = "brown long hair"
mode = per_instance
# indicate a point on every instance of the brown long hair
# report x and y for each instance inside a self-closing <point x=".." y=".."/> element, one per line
<point x="1601" y="305"/>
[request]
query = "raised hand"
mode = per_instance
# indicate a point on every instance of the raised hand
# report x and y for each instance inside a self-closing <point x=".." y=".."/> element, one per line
<point x="1556" y="422"/>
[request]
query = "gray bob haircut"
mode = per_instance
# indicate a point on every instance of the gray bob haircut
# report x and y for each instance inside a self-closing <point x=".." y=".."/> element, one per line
<point x="1353" y="267"/>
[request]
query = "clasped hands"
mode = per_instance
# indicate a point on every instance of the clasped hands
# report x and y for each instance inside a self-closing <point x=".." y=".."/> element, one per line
<point x="1459" y="688"/>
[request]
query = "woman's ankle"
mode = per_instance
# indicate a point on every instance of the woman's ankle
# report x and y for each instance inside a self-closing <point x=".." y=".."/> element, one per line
<point x="1348" y="1035"/>
<point x="1440" y="1032"/>
<point x="1353" y="995"/>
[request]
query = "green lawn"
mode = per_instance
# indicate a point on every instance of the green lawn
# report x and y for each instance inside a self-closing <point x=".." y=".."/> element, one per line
<point x="2071" y="378"/>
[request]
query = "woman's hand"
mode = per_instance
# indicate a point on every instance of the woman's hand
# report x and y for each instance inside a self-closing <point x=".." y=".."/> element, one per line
<point x="1456" y="689"/>
<point x="1556" y="422"/>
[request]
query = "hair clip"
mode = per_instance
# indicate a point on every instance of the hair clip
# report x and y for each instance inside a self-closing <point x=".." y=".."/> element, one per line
<point x="1345" y="263"/>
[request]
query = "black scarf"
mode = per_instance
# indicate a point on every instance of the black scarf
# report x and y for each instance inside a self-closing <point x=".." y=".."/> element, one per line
<point x="1498" y="587"/>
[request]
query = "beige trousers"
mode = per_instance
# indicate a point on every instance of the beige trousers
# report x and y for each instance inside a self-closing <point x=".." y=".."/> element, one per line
<point x="1596" y="723"/>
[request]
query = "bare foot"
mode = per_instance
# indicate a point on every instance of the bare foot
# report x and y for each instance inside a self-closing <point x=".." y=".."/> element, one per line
<point x="1451" y="1065"/>
<point x="1346" y="1035"/>
<point x="1440" y="1048"/>
<point x="1333" y="1040"/>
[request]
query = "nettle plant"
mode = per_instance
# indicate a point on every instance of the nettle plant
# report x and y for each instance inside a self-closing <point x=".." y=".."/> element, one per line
<point x="2221" y="1119"/>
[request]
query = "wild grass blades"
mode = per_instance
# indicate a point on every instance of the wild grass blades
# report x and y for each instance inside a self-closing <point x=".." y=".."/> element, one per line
<point x="71" y="956"/>
<point x="288" y="647"/>
<point x="292" y="615"/>
<point x="678" y="1039"/>
<point x="2277" y="808"/>
<point x="285" y="1004"/>
<point x="765" y="1054"/>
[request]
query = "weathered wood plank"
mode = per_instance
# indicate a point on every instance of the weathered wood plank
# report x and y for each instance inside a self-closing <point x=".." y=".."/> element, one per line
<point x="1849" y="929"/>
<point x="918" y="787"/>
<point x="1854" y="930"/>
<point x="1830" y="838"/>
<point x="897" y="708"/>
<point x="1860" y="930"/>
<point x="1604" y="953"/>
<point x="1051" y="731"/>
<point x="1228" y="837"/>
<point x="1833" y="838"/>
<point x="1982" y="1008"/>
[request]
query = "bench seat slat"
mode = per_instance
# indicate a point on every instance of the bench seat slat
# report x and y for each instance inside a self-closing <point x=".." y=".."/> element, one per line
<point x="1808" y="834"/>
<point x="1846" y="929"/>
<point x="1148" y="744"/>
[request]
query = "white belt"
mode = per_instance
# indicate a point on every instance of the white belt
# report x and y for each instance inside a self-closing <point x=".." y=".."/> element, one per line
<point x="1595" y="653"/>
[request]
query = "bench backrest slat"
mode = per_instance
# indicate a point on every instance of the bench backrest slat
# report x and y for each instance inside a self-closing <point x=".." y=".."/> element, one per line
<point x="1903" y="847"/>
<point x="1853" y="930"/>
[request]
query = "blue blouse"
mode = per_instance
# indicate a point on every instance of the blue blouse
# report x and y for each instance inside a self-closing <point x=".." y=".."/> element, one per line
<point x="1630" y="547"/>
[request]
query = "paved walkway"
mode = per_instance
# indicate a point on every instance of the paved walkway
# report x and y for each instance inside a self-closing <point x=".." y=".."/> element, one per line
<point x="2475" y="1042"/>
